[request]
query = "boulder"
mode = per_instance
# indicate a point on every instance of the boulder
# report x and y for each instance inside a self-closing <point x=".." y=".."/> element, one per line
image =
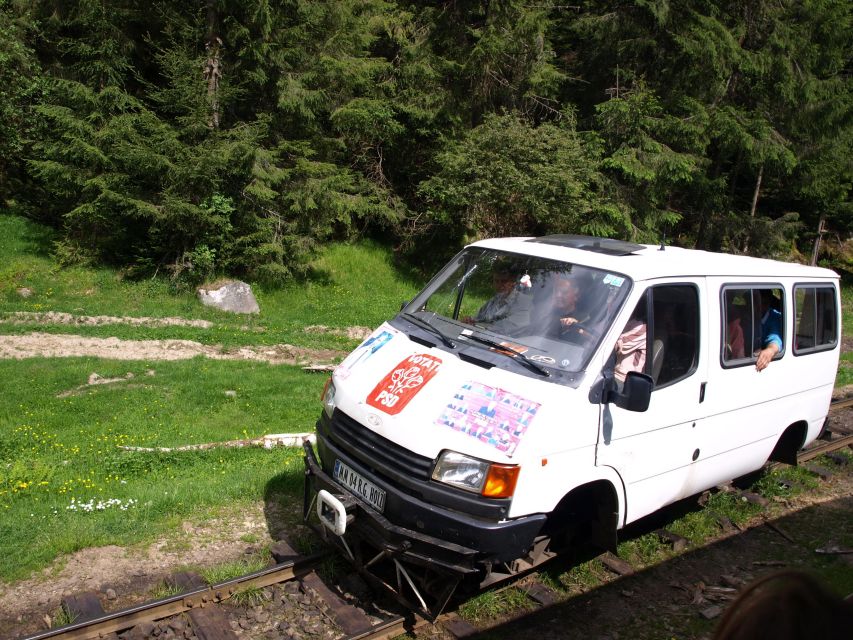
<point x="234" y="296"/>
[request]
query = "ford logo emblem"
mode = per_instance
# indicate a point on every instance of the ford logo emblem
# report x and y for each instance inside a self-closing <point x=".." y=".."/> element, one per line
<point x="373" y="420"/>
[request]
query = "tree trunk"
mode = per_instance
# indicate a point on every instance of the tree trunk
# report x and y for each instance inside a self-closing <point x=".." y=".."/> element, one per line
<point x="816" y="249"/>
<point x="756" y="192"/>
<point x="212" y="72"/>
<point x="752" y="208"/>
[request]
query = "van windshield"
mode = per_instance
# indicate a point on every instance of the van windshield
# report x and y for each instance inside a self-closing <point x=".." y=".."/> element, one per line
<point x="555" y="313"/>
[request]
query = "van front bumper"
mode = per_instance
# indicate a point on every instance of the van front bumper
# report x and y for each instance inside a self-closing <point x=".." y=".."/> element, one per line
<point x="448" y="541"/>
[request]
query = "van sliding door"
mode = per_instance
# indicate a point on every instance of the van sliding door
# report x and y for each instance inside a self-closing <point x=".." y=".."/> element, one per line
<point x="653" y="451"/>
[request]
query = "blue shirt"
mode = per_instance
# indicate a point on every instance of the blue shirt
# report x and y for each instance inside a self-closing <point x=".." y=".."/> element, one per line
<point x="771" y="329"/>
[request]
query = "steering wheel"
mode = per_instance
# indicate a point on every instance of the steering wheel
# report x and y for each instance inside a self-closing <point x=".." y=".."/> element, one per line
<point x="577" y="332"/>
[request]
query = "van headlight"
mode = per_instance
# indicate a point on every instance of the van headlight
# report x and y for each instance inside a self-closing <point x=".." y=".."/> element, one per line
<point x="478" y="476"/>
<point x="329" y="398"/>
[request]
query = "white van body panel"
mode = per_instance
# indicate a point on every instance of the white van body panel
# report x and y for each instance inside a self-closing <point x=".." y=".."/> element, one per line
<point x="558" y="446"/>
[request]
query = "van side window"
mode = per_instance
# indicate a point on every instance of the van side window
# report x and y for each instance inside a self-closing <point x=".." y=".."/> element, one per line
<point x="753" y="317"/>
<point x="675" y="339"/>
<point x="815" y="318"/>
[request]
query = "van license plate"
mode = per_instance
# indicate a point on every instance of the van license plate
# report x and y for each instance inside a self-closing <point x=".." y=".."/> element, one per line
<point x="359" y="485"/>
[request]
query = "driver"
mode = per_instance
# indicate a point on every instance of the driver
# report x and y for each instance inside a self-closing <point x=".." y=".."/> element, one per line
<point x="559" y="316"/>
<point x="566" y="297"/>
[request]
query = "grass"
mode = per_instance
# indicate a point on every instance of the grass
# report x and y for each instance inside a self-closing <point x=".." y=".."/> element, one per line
<point x="63" y="475"/>
<point x="65" y="484"/>
<point x="231" y="570"/>
<point x="353" y="286"/>
<point x="250" y="597"/>
<point x="487" y="606"/>
<point x="62" y="617"/>
<point x="164" y="590"/>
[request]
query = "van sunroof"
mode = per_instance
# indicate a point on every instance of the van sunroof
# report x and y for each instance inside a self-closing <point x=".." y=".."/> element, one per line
<point x="590" y="243"/>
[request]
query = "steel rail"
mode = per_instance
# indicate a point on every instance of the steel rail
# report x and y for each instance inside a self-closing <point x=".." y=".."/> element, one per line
<point x="825" y="447"/>
<point x="173" y="605"/>
<point x="841" y="403"/>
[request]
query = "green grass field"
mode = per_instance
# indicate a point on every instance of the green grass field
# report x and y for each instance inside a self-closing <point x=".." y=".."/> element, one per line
<point x="64" y="482"/>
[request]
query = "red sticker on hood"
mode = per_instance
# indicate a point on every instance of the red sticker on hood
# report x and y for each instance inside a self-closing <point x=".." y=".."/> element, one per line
<point x="403" y="382"/>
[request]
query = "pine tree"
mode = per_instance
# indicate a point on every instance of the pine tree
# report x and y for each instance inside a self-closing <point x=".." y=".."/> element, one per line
<point x="508" y="177"/>
<point x="19" y="85"/>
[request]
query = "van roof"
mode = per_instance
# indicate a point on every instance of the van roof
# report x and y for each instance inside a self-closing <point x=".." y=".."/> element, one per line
<point x="646" y="262"/>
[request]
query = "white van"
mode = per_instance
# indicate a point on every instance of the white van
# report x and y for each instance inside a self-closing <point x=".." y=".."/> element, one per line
<point x="540" y="391"/>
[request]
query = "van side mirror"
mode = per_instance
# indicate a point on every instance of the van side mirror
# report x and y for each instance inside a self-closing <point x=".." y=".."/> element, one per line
<point x="636" y="392"/>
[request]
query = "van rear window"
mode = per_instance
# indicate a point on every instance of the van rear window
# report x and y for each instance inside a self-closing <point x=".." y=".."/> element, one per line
<point x="753" y="317"/>
<point x="815" y="318"/>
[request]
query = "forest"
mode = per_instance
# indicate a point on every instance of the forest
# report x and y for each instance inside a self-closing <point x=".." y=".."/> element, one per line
<point x="208" y="137"/>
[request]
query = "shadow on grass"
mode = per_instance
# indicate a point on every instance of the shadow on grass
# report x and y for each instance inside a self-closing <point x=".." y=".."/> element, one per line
<point x="668" y="600"/>
<point x="35" y="238"/>
<point x="283" y="505"/>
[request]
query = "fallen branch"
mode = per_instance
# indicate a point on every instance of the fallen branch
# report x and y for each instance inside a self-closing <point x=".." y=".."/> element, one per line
<point x="321" y="368"/>
<point x="267" y="442"/>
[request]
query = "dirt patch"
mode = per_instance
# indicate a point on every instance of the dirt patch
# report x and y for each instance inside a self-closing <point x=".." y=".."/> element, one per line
<point x="353" y="333"/>
<point x="131" y="572"/>
<point x="64" y="346"/>
<point x="95" y="380"/>
<point x="57" y="317"/>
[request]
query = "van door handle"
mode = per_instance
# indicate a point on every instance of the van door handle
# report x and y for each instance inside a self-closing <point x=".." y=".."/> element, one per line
<point x="702" y="392"/>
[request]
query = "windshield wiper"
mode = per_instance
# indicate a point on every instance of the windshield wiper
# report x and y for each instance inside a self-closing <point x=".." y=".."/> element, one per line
<point x="510" y="352"/>
<point x="423" y="324"/>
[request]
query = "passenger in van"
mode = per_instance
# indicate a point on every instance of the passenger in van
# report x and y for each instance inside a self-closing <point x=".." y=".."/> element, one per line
<point x="734" y="333"/>
<point x="630" y="348"/>
<point x="771" y="330"/>
<point x="509" y="308"/>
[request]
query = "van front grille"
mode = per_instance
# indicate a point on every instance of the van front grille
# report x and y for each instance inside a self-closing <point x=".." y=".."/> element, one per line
<point x="378" y="453"/>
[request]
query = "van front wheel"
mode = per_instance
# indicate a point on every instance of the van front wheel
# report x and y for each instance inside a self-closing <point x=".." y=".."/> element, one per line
<point x="587" y="518"/>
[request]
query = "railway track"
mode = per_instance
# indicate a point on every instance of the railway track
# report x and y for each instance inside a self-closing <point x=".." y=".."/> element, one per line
<point x="197" y="604"/>
<point x="833" y="439"/>
<point x="201" y="618"/>
<point x="194" y="598"/>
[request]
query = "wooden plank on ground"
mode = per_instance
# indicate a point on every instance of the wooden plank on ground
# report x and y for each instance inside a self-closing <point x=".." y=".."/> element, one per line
<point x="457" y="626"/>
<point x="677" y="542"/>
<point x="186" y="581"/>
<point x="616" y="564"/>
<point x="282" y="551"/>
<point x="83" y="606"/>
<point x="211" y="623"/>
<point x="351" y="620"/>
<point x="823" y="472"/>
<point x="538" y="592"/>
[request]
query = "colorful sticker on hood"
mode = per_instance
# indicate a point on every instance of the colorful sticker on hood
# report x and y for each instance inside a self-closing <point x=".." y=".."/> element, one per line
<point x="363" y="353"/>
<point x="491" y="415"/>
<point x="403" y="383"/>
